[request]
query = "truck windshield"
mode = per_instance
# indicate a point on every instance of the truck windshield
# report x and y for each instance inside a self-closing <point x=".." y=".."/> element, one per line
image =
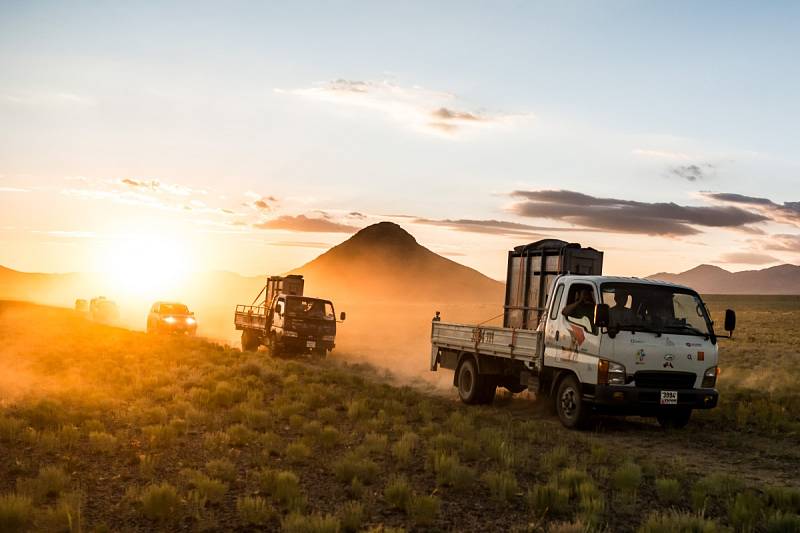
<point x="174" y="309"/>
<point x="655" y="308"/>
<point x="309" y="307"/>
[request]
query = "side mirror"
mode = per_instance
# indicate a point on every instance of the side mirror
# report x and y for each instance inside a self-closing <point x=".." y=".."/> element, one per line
<point x="342" y="316"/>
<point x="601" y="312"/>
<point x="730" y="320"/>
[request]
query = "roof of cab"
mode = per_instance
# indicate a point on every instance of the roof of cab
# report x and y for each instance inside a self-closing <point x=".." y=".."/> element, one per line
<point x="623" y="279"/>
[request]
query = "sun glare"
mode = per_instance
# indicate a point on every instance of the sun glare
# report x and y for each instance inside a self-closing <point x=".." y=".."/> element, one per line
<point x="146" y="266"/>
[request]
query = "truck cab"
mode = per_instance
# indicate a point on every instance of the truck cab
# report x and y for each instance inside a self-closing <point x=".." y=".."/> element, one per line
<point x="637" y="347"/>
<point x="301" y="324"/>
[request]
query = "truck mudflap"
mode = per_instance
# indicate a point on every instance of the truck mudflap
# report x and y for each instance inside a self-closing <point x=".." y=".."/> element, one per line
<point x="617" y="399"/>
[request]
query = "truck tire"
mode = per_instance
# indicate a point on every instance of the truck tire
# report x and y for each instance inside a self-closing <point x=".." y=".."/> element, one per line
<point x="488" y="390"/>
<point x="275" y="349"/>
<point x="471" y="388"/>
<point x="319" y="353"/>
<point x="570" y="407"/>
<point x="675" y="419"/>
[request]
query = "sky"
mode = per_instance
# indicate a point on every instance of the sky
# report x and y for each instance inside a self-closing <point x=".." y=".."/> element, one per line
<point x="250" y="137"/>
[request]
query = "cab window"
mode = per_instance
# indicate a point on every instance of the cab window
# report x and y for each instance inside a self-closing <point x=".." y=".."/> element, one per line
<point x="579" y="307"/>
<point x="556" y="302"/>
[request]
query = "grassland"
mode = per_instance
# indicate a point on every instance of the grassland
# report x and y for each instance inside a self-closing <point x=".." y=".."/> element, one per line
<point x="104" y="429"/>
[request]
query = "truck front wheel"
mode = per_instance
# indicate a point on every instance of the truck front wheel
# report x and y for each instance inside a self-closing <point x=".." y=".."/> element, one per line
<point x="676" y="419"/>
<point x="570" y="407"/>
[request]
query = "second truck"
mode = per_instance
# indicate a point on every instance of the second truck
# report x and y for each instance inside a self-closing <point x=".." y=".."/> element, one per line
<point x="286" y="321"/>
<point x="593" y="343"/>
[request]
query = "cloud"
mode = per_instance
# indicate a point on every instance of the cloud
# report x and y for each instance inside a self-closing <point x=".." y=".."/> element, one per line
<point x="300" y="244"/>
<point x="787" y="212"/>
<point x="415" y="107"/>
<point x="356" y="215"/>
<point x="628" y="216"/>
<point x="153" y="185"/>
<point x="305" y="224"/>
<point x="747" y="258"/>
<point x="13" y="189"/>
<point x="661" y="154"/>
<point x="691" y="172"/>
<point x="783" y="242"/>
<point x="491" y="227"/>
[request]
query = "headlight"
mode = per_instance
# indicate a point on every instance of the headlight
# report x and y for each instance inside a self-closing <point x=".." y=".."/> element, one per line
<point x="610" y="373"/>
<point x="190" y="320"/>
<point x="170" y="320"/>
<point x="328" y="338"/>
<point x="290" y="334"/>
<point x="710" y="377"/>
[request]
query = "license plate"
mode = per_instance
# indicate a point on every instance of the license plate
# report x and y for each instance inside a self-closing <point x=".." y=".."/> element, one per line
<point x="311" y="344"/>
<point x="669" y="397"/>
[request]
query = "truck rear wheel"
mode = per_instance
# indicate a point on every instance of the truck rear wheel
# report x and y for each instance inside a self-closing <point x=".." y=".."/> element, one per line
<point x="676" y="419"/>
<point x="570" y="407"/>
<point x="469" y="382"/>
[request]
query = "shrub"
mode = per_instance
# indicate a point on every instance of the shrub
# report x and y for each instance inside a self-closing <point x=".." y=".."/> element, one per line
<point x="357" y="409"/>
<point x="678" y="522"/>
<point x="782" y="523"/>
<point x="102" y="442"/>
<point x="403" y="449"/>
<point x="16" y="512"/>
<point x="549" y="499"/>
<point x="571" y="478"/>
<point x="297" y="452"/>
<point x="627" y="478"/>
<point x="351" y="516"/>
<point x="68" y="436"/>
<point x="210" y="489"/>
<point x="745" y="511"/>
<point x="147" y="465"/>
<point x="422" y="510"/>
<point x="297" y="523"/>
<point x="160" y="435"/>
<point x="221" y="469"/>
<point x="286" y="489"/>
<point x="160" y="502"/>
<point x="216" y="441"/>
<point x="450" y="472"/>
<point x="353" y="466"/>
<point x="502" y="485"/>
<point x="785" y="499"/>
<point x="668" y="490"/>
<point x="329" y="437"/>
<point x="716" y="485"/>
<point x="397" y="492"/>
<point x="555" y="458"/>
<point x="50" y="481"/>
<point x="375" y="443"/>
<point x="240" y="435"/>
<point x="10" y="428"/>
<point x="253" y="510"/>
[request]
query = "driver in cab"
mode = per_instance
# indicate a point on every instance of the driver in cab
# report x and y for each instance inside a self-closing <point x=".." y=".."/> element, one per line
<point x="582" y="305"/>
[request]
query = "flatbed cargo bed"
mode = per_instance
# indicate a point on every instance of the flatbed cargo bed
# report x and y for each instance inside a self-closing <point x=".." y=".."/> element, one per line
<point x="509" y="343"/>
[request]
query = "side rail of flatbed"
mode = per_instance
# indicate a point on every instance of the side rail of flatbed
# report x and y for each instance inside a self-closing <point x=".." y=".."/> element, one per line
<point x="250" y="317"/>
<point x="520" y="344"/>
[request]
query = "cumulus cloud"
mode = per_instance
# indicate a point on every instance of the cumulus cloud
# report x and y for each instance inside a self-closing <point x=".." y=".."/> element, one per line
<point x="628" y="216"/>
<point x="305" y="224"/>
<point x="787" y="212"/>
<point x="747" y="258"/>
<point x="416" y="107"/>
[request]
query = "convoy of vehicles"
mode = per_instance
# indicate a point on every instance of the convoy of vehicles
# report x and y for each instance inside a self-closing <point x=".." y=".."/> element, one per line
<point x="595" y="344"/>
<point x="171" y="317"/>
<point x="286" y="320"/>
<point x="82" y="307"/>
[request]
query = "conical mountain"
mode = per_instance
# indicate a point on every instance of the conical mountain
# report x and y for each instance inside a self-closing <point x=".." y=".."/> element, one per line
<point x="383" y="262"/>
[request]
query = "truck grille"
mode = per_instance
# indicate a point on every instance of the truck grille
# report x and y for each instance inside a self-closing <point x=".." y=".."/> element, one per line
<point x="664" y="380"/>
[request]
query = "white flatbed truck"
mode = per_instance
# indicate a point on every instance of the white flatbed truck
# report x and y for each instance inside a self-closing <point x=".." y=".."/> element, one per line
<point x="595" y="344"/>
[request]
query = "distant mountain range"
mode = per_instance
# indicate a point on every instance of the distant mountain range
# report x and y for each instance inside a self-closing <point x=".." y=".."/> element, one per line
<point x="709" y="279"/>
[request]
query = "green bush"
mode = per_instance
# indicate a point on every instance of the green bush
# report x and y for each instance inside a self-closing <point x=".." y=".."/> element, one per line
<point x="550" y="499"/>
<point x="351" y="516"/>
<point x="397" y="492"/>
<point x="160" y="502"/>
<point x="353" y="466"/>
<point x="102" y="442"/>
<point x="451" y="473"/>
<point x="254" y="510"/>
<point x="297" y="523"/>
<point x="745" y="511"/>
<point x="297" y="453"/>
<point x="221" y="469"/>
<point x="627" y="478"/>
<point x="679" y="522"/>
<point x="16" y="512"/>
<point x="668" y="490"/>
<point x="782" y="523"/>
<point x="502" y="485"/>
<point x="422" y="509"/>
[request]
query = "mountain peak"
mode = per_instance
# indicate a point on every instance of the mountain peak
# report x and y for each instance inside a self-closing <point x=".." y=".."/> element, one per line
<point x="383" y="234"/>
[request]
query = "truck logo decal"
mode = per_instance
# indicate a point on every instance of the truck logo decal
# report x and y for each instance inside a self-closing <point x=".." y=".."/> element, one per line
<point x="689" y="356"/>
<point x="480" y="336"/>
<point x="640" y="355"/>
<point x="669" y="357"/>
<point x="668" y="364"/>
<point x="577" y="336"/>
